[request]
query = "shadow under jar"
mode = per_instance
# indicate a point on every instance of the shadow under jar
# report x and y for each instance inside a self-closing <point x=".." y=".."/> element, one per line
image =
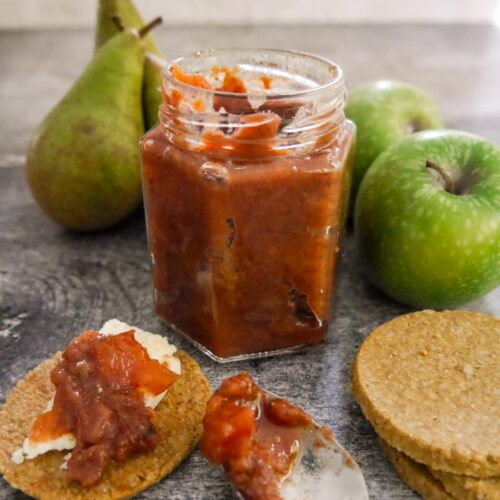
<point x="246" y="183"/>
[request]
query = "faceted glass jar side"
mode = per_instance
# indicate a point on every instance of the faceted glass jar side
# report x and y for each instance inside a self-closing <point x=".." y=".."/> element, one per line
<point x="244" y="225"/>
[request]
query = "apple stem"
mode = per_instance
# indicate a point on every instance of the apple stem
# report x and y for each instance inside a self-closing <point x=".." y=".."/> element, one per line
<point x="448" y="181"/>
<point x="117" y="20"/>
<point x="152" y="24"/>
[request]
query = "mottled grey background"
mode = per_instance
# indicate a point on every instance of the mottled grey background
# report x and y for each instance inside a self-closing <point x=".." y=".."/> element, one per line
<point x="54" y="283"/>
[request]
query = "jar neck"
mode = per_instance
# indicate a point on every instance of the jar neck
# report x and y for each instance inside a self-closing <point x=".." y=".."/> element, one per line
<point x="200" y="114"/>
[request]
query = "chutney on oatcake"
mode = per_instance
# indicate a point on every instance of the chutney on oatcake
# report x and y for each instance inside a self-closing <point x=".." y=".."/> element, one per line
<point x="176" y="421"/>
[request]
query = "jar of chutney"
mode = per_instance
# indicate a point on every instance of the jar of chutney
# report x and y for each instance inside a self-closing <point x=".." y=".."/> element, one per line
<point x="246" y="183"/>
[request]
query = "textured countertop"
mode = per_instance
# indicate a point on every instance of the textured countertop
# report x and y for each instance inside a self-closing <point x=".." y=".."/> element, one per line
<point x="54" y="284"/>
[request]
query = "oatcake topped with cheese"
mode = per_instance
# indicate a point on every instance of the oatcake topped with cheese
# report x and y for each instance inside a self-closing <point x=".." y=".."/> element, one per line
<point x="118" y="443"/>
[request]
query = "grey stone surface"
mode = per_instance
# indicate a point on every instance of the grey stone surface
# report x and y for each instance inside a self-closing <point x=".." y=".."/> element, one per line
<point x="54" y="284"/>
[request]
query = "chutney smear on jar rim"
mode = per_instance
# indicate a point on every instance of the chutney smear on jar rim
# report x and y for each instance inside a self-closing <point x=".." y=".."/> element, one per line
<point x="100" y="383"/>
<point x="256" y="437"/>
<point x="257" y="138"/>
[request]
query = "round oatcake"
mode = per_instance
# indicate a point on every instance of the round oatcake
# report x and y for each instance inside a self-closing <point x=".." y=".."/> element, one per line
<point x="429" y="384"/>
<point x="415" y="476"/>
<point x="467" y="487"/>
<point x="178" y="419"/>
<point x="433" y="484"/>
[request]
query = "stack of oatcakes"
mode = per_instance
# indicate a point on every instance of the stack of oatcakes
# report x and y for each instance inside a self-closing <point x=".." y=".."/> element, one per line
<point x="429" y="383"/>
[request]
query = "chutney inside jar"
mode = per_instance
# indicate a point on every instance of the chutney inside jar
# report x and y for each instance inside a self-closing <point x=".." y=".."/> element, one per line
<point x="246" y="182"/>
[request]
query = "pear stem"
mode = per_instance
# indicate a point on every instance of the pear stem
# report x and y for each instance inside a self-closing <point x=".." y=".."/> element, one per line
<point x="448" y="181"/>
<point x="152" y="24"/>
<point x="117" y="20"/>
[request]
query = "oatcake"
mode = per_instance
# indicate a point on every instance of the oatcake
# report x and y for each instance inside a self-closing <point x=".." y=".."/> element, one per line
<point x="428" y="382"/>
<point x="469" y="488"/>
<point x="436" y="484"/>
<point x="415" y="476"/>
<point x="178" y="419"/>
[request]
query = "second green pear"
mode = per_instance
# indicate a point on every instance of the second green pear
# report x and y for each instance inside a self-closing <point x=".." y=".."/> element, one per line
<point x="83" y="162"/>
<point x="154" y="62"/>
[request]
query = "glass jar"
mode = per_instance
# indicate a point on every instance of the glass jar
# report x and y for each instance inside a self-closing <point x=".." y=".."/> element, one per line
<point x="246" y="182"/>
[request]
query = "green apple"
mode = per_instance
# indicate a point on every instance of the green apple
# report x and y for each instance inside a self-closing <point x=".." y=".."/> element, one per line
<point x="385" y="112"/>
<point x="427" y="219"/>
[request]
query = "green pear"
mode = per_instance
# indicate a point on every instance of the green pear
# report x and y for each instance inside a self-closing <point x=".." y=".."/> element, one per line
<point x="131" y="18"/>
<point x="83" y="163"/>
<point x="129" y="15"/>
<point x="151" y="94"/>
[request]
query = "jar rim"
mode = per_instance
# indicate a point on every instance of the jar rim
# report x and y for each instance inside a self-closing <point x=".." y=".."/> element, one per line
<point x="333" y="69"/>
